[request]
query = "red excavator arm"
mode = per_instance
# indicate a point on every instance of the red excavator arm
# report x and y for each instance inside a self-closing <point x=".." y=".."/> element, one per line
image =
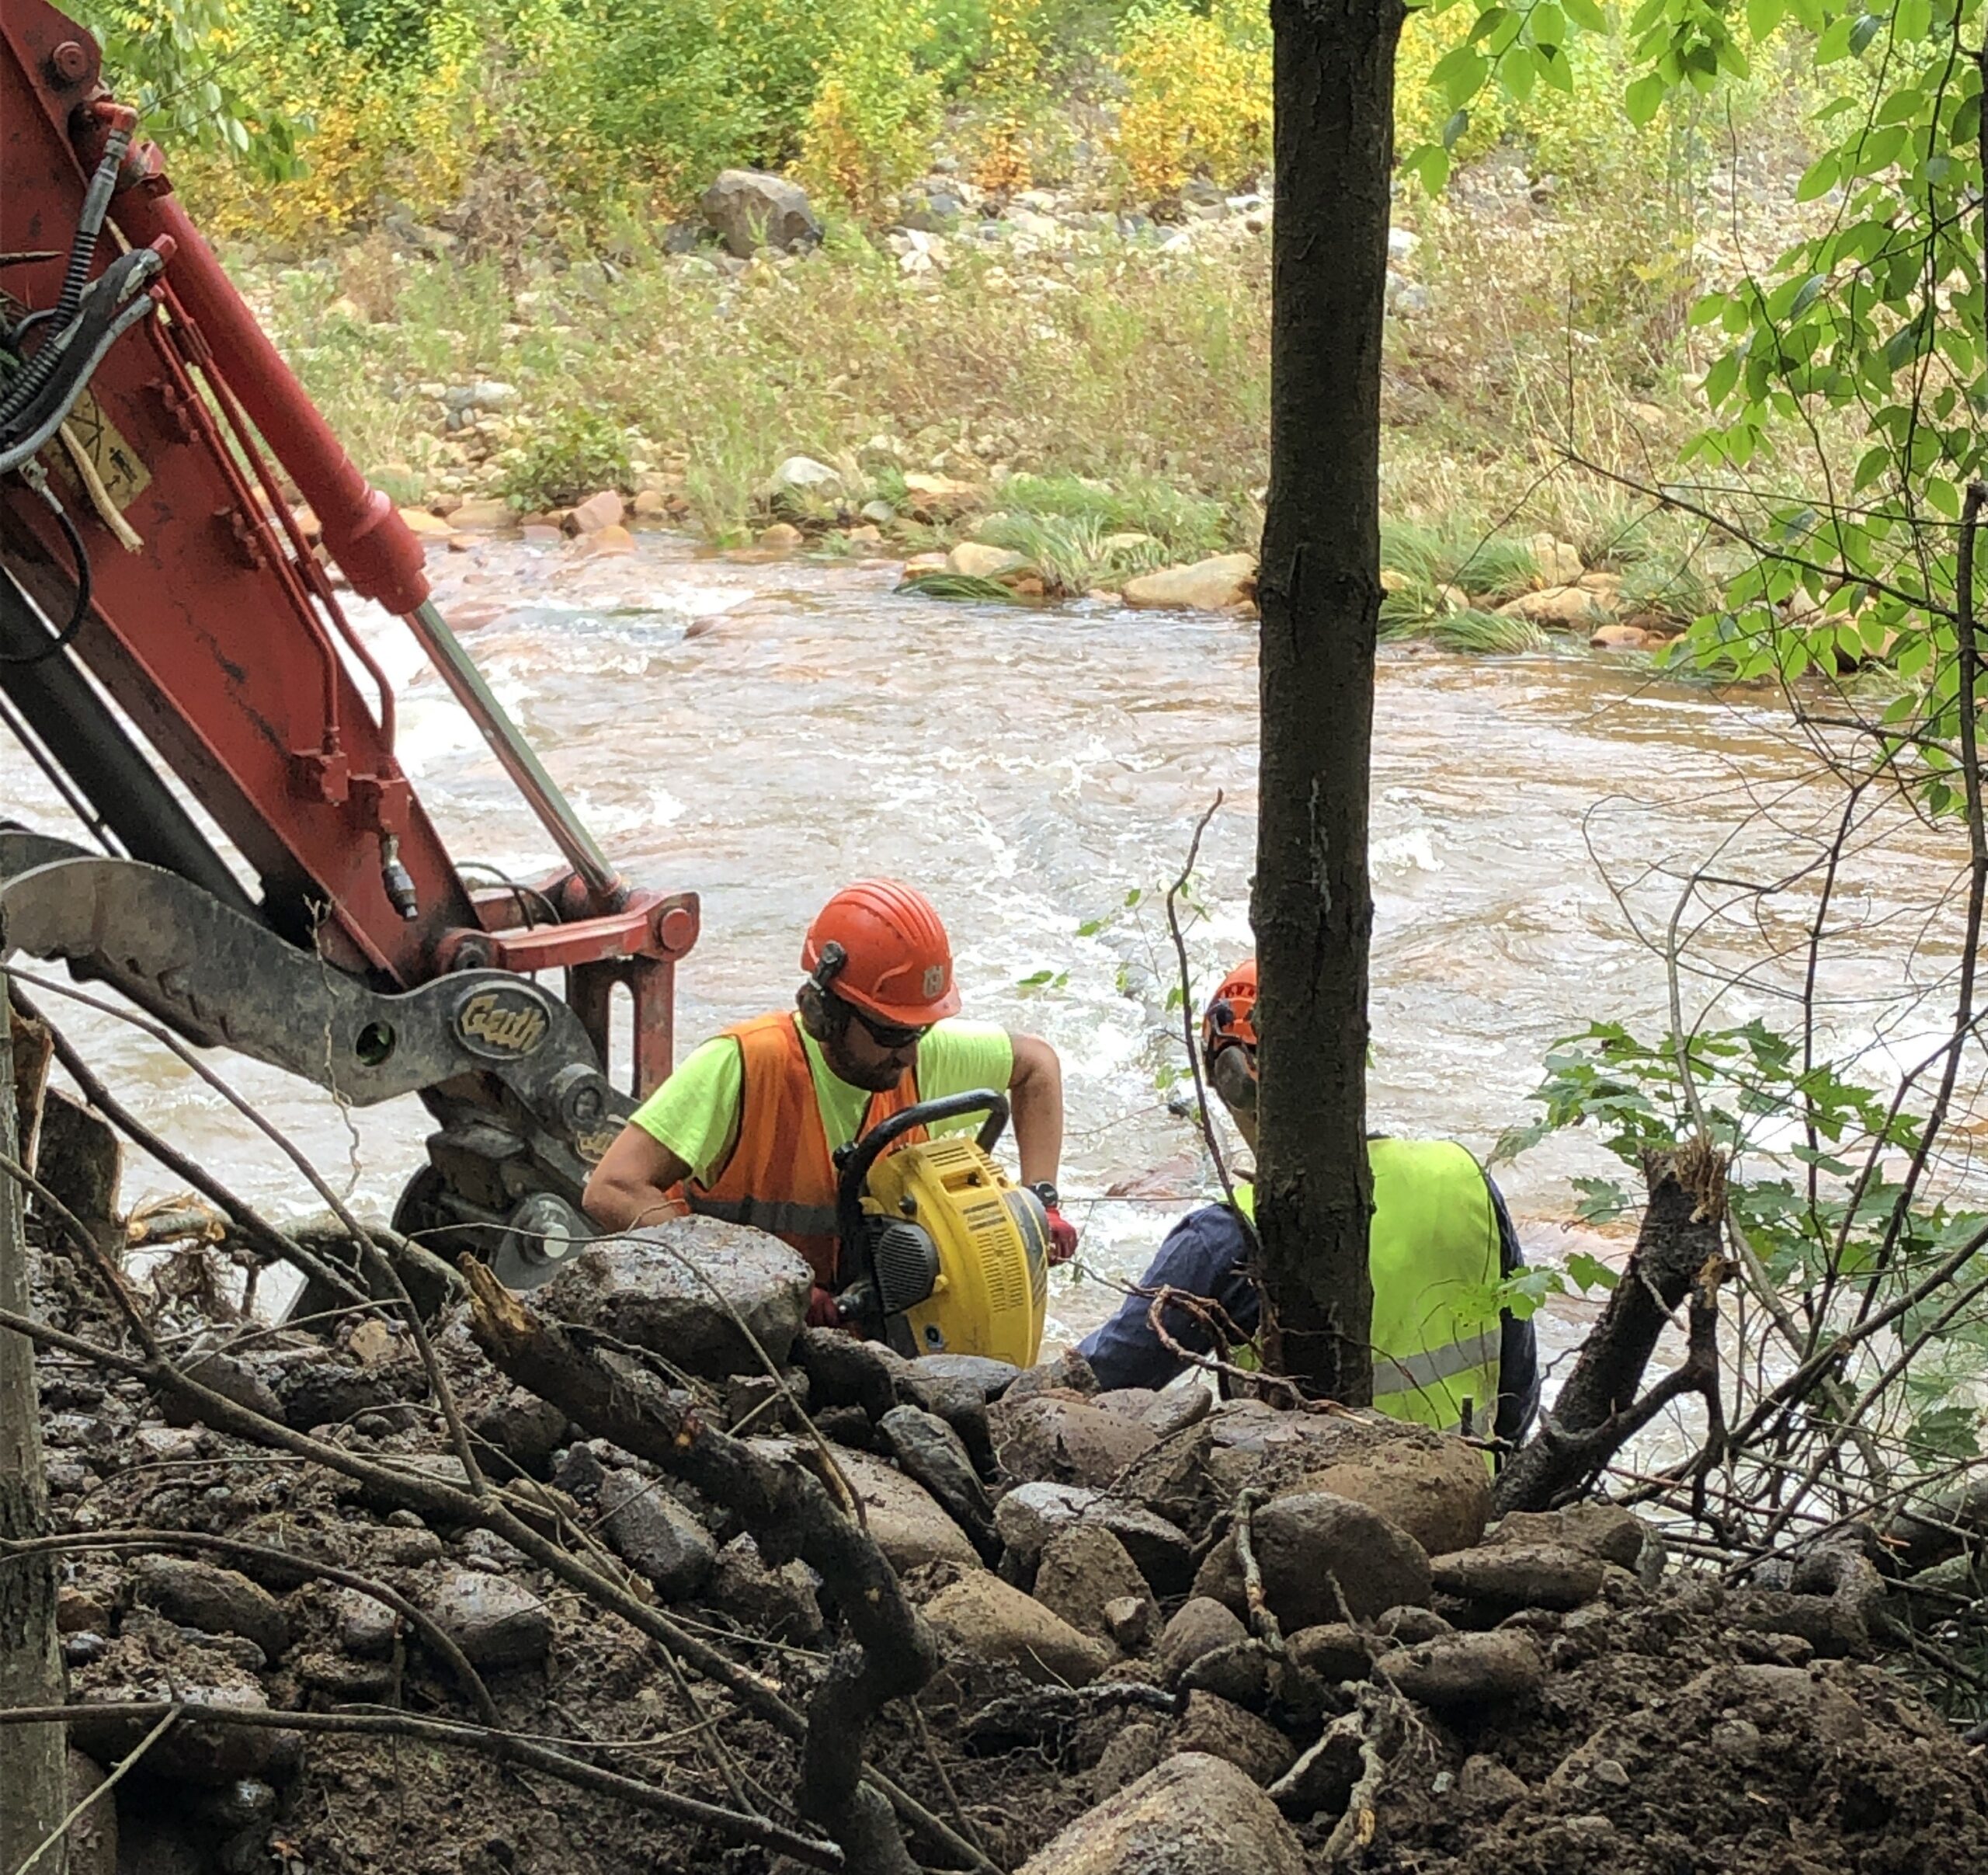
<point x="160" y="609"/>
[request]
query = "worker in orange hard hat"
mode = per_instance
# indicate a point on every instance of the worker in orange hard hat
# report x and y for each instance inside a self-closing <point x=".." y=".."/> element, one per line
<point x="747" y="1127"/>
<point x="1440" y="1241"/>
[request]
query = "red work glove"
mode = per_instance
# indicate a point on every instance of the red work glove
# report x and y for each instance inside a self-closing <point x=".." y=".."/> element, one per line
<point x="1063" y="1236"/>
<point x="823" y="1311"/>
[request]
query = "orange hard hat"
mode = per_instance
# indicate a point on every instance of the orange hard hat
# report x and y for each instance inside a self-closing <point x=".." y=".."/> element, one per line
<point x="1231" y="1015"/>
<point x="896" y="961"/>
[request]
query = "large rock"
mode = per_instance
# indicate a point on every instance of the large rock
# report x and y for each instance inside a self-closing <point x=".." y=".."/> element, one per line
<point x="992" y="1377"/>
<point x="1561" y="605"/>
<point x="194" y="1751"/>
<point x="1194" y="1814"/>
<point x="978" y="561"/>
<point x="526" y="1429"/>
<point x="1062" y="1439"/>
<point x="1501" y="1578"/>
<point x="1307" y="1540"/>
<point x="779" y="1604"/>
<point x="930" y="1453"/>
<point x="1224" y="1729"/>
<point x="1468" y="1671"/>
<point x="1605" y="1532"/>
<point x="1084" y="1571"/>
<point x="1227" y="580"/>
<point x="1201" y="1627"/>
<point x="1558" y="561"/>
<point x="650" y="1531"/>
<point x="216" y="1600"/>
<point x="233" y="1379"/>
<point x="909" y="1526"/>
<point x="676" y="1288"/>
<point x="1031" y="1514"/>
<point x="748" y="209"/>
<point x="981" y="1615"/>
<point x="495" y="1621"/>
<point x="1439" y="1492"/>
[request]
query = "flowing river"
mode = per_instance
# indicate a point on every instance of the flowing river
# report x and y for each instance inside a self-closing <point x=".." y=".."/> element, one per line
<point x="761" y="731"/>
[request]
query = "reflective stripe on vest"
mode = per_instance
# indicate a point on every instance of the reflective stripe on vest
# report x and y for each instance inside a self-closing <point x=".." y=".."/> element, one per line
<point x="1433" y="1256"/>
<point x="780" y="1176"/>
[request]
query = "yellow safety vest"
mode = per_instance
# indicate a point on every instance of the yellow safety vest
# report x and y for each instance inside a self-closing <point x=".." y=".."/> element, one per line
<point x="1432" y="1253"/>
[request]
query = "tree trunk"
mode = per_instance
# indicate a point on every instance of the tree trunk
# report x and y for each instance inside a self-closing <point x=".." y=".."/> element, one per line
<point x="33" y="1759"/>
<point x="1320" y="591"/>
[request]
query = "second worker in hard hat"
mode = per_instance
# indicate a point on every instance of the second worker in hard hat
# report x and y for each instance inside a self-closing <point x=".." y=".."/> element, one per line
<point x="1440" y="1239"/>
<point x="747" y="1127"/>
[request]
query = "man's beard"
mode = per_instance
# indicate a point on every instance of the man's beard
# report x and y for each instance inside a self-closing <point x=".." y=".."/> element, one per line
<point x="879" y="1080"/>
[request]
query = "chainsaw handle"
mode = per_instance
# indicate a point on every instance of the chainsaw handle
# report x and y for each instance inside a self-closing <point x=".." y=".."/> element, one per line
<point x="856" y="1158"/>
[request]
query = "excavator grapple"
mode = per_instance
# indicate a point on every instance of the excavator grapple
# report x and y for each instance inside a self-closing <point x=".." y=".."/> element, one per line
<point x="170" y="636"/>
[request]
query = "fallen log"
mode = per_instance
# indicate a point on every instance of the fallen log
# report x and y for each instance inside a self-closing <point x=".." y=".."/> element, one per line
<point x="789" y="1513"/>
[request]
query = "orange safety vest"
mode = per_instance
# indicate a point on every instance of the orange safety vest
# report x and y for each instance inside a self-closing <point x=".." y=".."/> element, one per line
<point x="779" y="1175"/>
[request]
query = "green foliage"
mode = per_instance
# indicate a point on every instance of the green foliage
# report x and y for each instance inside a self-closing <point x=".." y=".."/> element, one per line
<point x="575" y="455"/>
<point x="1455" y="552"/>
<point x="1813" y="1190"/>
<point x="869" y="127"/>
<point x="173" y="60"/>
<point x="1186" y="524"/>
<point x="969" y="588"/>
<point x="1469" y="631"/>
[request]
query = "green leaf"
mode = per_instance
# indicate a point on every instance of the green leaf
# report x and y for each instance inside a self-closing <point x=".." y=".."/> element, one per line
<point x="1586" y="15"/>
<point x="1588" y="1272"/>
<point x="1762" y="17"/>
<point x="1430" y="165"/>
<point x="1459" y="75"/>
<point x="1819" y="179"/>
<point x="1548" y="24"/>
<point x="1517" y="67"/>
<point x="1644" y="99"/>
<point x="1719" y="380"/>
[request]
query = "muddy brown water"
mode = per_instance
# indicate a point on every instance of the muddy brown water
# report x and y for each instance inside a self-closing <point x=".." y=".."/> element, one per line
<point x="760" y="731"/>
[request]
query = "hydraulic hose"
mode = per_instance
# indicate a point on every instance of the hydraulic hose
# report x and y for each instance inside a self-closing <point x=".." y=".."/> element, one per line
<point x="48" y="412"/>
<point x="82" y="251"/>
<point x="80" y="611"/>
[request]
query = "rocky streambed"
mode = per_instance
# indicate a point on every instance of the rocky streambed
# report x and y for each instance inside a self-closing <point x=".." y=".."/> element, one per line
<point x="1171" y="1632"/>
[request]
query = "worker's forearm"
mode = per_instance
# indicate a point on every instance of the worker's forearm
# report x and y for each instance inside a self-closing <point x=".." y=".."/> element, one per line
<point x="1036" y="1105"/>
<point x="621" y="1204"/>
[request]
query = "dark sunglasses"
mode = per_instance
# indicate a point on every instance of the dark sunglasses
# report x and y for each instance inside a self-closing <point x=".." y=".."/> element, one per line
<point x="886" y="1036"/>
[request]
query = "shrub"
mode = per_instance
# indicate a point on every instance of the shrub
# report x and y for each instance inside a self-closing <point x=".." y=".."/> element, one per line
<point x="1198" y="96"/>
<point x="870" y="128"/>
<point x="575" y="455"/>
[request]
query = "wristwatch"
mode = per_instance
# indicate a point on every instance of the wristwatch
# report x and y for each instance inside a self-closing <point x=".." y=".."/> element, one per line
<point x="1052" y="1198"/>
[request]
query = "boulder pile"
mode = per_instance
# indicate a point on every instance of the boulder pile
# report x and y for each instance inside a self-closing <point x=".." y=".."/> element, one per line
<point x="1176" y="1635"/>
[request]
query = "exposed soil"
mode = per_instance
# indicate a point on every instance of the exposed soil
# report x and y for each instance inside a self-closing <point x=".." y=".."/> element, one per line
<point x="1677" y="1731"/>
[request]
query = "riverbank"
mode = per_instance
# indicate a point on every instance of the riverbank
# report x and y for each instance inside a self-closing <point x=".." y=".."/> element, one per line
<point x="1083" y="389"/>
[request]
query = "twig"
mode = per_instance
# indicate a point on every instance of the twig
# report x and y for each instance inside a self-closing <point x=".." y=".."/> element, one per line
<point x="1262" y="1619"/>
<point x="939" y="1770"/>
<point x="1355" y="1829"/>
<point x="376" y="1257"/>
<point x="1187" y="1036"/>
<point x="103" y="1790"/>
<point x="505" y="1747"/>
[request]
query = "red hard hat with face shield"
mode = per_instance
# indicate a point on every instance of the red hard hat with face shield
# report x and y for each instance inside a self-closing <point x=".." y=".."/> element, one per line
<point x="895" y="961"/>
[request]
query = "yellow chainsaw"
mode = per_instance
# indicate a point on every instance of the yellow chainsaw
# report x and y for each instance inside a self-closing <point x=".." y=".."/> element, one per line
<point x="943" y="1252"/>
